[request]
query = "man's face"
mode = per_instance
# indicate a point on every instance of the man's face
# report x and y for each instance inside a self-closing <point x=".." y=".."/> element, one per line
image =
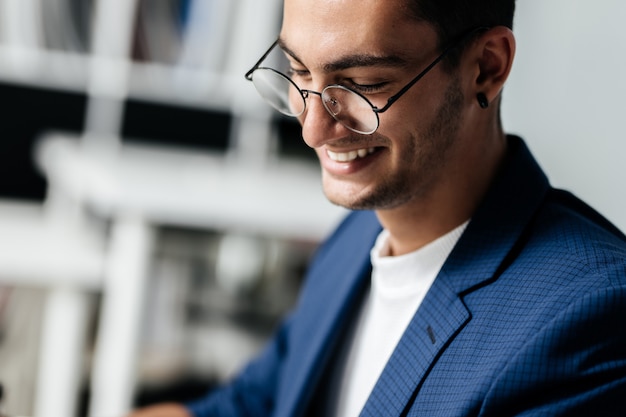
<point x="373" y="47"/>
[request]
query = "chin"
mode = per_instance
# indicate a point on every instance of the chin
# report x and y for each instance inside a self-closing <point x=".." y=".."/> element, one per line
<point x="360" y="200"/>
<point x="349" y="201"/>
<point x="341" y="201"/>
<point x="369" y="198"/>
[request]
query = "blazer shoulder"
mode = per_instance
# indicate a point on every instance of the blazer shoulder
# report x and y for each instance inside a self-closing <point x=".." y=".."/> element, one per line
<point x="583" y="238"/>
<point x="566" y="201"/>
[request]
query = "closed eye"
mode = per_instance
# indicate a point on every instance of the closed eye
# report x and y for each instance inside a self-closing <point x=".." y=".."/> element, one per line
<point x="301" y="75"/>
<point x="367" y="88"/>
<point x="298" y="73"/>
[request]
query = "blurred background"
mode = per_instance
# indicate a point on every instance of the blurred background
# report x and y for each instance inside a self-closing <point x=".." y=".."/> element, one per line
<point x="156" y="217"/>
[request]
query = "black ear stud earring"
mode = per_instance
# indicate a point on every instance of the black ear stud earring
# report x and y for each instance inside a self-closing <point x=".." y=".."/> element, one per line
<point x="483" y="102"/>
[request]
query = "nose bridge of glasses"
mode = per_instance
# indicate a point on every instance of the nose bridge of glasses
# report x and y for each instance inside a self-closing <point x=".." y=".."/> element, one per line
<point x="305" y="93"/>
<point x="330" y="103"/>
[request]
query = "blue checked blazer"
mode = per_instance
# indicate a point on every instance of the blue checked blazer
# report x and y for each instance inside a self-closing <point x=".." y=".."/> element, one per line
<point x="526" y="318"/>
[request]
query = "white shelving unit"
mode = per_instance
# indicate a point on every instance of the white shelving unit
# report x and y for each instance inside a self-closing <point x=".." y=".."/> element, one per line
<point x="138" y="188"/>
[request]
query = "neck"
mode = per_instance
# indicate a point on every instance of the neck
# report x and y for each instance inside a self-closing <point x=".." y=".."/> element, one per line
<point x="449" y="203"/>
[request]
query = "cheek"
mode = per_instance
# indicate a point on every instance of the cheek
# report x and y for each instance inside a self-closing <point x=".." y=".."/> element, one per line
<point x="412" y="113"/>
<point x="398" y="125"/>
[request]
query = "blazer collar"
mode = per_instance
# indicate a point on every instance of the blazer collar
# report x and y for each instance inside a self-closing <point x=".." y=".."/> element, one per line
<point x="509" y="206"/>
<point x="483" y="249"/>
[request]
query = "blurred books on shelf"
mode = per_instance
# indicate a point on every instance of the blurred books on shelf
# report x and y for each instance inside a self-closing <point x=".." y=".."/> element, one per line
<point x="152" y="97"/>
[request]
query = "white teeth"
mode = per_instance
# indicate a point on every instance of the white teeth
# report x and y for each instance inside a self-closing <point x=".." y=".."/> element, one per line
<point x="349" y="156"/>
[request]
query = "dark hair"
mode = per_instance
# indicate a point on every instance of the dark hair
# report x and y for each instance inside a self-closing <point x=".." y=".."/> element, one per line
<point x="454" y="18"/>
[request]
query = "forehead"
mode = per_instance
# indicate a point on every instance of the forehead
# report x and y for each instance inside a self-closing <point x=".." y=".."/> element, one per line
<point x="324" y="30"/>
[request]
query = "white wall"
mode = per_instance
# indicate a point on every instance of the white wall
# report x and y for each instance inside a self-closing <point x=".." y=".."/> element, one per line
<point x="567" y="96"/>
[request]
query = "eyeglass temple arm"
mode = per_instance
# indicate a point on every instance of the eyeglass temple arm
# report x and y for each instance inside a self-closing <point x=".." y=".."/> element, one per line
<point x="258" y="63"/>
<point x="421" y="75"/>
<point x="411" y="83"/>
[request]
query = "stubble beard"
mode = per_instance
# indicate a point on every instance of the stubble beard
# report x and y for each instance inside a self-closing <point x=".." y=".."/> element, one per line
<point x="398" y="188"/>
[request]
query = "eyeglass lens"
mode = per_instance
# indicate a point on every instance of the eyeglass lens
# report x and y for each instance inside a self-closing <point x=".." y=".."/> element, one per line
<point x="350" y="109"/>
<point x="279" y="91"/>
<point x="344" y="105"/>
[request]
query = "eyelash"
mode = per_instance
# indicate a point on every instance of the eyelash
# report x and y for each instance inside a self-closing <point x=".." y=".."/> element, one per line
<point x="292" y="73"/>
<point x="368" y="88"/>
<point x="361" y="88"/>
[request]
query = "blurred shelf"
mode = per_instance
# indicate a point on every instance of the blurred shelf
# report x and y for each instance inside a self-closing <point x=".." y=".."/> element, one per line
<point x="146" y="81"/>
<point x="205" y="190"/>
<point x="35" y="251"/>
<point x="44" y="68"/>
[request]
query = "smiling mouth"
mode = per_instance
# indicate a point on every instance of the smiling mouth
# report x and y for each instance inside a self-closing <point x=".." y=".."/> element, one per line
<point x="349" y="156"/>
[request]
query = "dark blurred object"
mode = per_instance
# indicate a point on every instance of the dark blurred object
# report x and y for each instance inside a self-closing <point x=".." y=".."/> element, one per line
<point x="180" y="391"/>
<point x="1" y="397"/>
<point x="290" y="143"/>
<point x="27" y="112"/>
<point x="175" y="125"/>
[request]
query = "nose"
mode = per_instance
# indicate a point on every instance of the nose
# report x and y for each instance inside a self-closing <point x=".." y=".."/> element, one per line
<point x="318" y="126"/>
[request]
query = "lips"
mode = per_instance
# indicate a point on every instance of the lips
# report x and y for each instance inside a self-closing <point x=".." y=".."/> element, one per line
<point x="349" y="156"/>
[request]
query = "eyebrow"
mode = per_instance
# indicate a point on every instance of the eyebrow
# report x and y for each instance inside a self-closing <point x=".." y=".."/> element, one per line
<point x="352" y="61"/>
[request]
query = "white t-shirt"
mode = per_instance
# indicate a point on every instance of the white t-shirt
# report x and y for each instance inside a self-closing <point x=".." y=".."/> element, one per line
<point x="398" y="286"/>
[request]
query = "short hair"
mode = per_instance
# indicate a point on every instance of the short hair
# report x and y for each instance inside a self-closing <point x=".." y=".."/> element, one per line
<point x="454" y="18"/>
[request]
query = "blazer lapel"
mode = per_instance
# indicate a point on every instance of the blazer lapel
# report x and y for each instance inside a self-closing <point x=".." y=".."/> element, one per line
<point x="440" y="316"/>
<point x="475" y="261"/>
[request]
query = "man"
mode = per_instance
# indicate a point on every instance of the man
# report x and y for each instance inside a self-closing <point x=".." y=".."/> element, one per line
<point x="486" y="292"/>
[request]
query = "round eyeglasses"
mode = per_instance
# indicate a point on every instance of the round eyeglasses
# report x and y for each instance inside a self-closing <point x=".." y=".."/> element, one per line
<point x="348" y="107"/>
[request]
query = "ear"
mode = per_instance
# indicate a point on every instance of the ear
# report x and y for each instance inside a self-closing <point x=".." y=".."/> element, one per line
<point x="492" y="58"/>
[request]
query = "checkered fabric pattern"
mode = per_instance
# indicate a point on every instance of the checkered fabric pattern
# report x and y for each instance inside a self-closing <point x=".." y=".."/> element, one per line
<point x="526" y="318"/>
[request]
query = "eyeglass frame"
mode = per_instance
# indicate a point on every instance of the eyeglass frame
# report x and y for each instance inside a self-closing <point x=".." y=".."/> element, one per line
<point x="391" y="100"/>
